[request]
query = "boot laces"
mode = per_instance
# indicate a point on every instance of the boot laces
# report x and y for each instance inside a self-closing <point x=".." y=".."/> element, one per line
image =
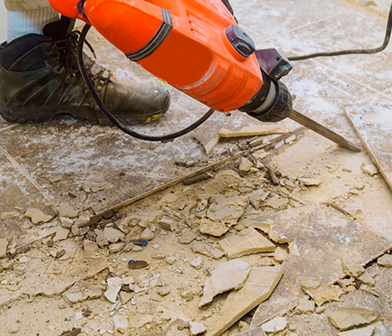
<point x="67" y="60"/>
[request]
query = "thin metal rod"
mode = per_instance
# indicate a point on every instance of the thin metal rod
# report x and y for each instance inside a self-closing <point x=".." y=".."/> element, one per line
<point x="322" y="130"/>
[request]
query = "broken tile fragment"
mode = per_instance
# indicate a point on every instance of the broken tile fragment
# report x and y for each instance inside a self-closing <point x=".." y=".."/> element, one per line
<point x="199" y="247"/>
<point x="367" y="331"/>
<point x="167" y="224"/>
<point x="114" y="248"/>
<point x="187" y="237"/>
<point x="112" y="235"/>
<point x="3" y="247"/>
<point x="280" y="254"/>
<point x="353" y="270"/>
<point x="61" y="234"/>
<point x="37" y="216"/>
<point x="258" y="287"/>
<point x="246" y="242"/>
<point x="9" y="215"/>
<point x="90" y="248"/>
<point x="245" y="165"/>
<point x="277" y="203"/>
<point x="226" y="276"/>
<point x="305" y="306"/>
<point x="370" y="169"/>
<point x="347" y="318"/>
<point x="65" y="210"/>
<point x="321" y="293"/>
<point x="212" y="228"/>
<point x="125" y="297"/>
<point x="385" y="260"/>
<point x="82" y="291"/>
<point x="275" y="325"/>
<point x="196" y="328"/>
<point x="197" y="263"/>
<point x="114" y="286"/>
<point x="310" y="182"/>
<point x="147" y="234"/>
<point x="227" y="208"/>
<point x="367" y="279"/>
<point x="66" y="222"/>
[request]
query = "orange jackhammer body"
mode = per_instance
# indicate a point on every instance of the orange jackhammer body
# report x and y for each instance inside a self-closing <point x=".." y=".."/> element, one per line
<point x="194" y="45"/>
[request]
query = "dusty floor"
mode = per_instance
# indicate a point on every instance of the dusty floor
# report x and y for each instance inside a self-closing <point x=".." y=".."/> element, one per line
<point x="54" y="286"/>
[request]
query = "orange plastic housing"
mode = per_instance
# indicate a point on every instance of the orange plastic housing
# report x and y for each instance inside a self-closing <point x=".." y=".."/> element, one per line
<point x="196" y="56"/>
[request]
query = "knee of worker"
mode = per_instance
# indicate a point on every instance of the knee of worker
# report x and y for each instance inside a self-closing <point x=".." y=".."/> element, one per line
<point x="25" y="5"/>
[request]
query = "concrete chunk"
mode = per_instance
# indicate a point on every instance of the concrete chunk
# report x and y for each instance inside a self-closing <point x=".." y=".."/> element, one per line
<point x="347" y="318"/>
<point x="246" y="242"/>
<point x="259" y="286"/>
<point x="226" y="276"/>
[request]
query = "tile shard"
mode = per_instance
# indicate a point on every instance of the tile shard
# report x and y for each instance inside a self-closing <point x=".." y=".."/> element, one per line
<point x="209" y="251"/>
<point x="385" y="260"/>
<point x="347" y="318"/>
<point x="277" y="324"/>
<point x="37" y="216"/>
<point x="246" y="242"/>
<point x="213" y="228"/>
<point x="367" y="331"/>
<point x="321" y="293"/>
<point x="226" y="276"/>
<point x="258" y="287"/>
<point x="114" y="287"/>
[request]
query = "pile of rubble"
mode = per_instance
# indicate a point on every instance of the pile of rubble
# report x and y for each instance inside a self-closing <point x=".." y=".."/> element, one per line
<point x="229" y="255"/>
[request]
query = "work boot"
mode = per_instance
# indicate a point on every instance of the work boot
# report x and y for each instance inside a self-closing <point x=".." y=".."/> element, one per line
<point x="39" y="79"/>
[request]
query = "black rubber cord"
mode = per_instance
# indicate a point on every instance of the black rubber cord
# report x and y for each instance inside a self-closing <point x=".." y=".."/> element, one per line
<point x="111" y="117"/>
<point x="352" y="52"/>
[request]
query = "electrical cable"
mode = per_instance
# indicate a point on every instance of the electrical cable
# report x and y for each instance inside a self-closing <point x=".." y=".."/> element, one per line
<point x="354" y="51"/>
<point x="111" y="117"/>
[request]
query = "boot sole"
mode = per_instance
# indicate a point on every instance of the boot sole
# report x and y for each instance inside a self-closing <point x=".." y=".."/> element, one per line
<point x="44" y="114"/>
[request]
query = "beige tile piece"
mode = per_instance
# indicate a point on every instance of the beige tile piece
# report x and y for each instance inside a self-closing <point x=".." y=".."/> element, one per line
<point x="213" y="228"/>
<point x="321" y="293"/>
<point x="226" y="276"/>
<point x="246" y="242"/>
<point x="259" y="286"/>
<point x="346" y="318"/>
